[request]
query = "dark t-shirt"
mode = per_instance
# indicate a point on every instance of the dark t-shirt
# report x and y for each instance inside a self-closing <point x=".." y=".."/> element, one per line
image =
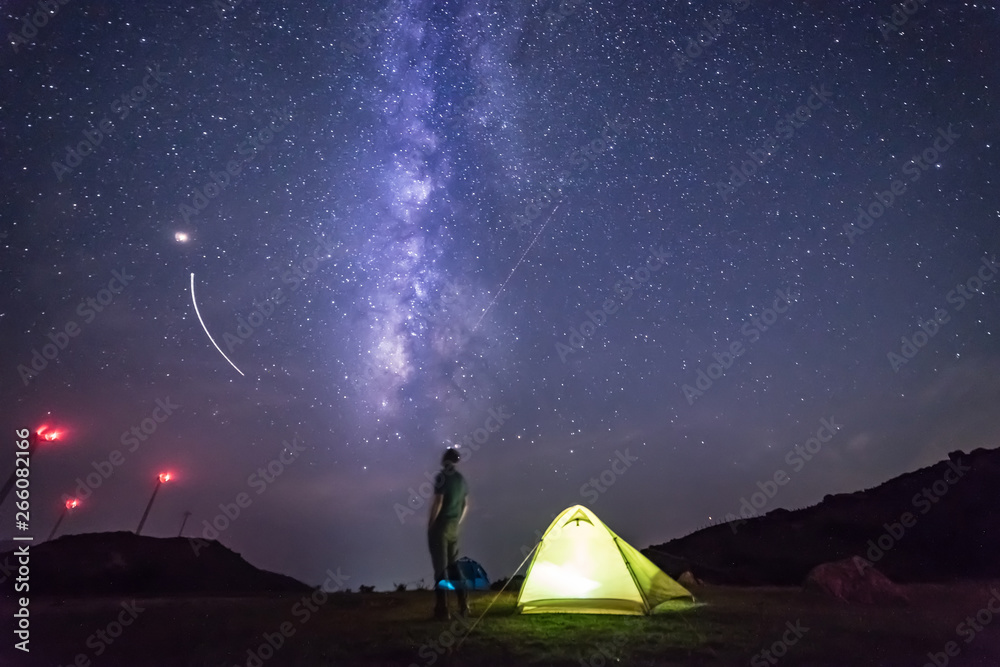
<point x="451" y="485"/>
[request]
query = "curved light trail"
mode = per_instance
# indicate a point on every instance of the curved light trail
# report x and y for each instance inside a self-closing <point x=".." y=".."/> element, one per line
<point x="206" y="329"/>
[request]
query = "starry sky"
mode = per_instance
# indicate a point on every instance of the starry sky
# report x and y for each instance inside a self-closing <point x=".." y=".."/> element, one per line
<point x="629" y="255"/>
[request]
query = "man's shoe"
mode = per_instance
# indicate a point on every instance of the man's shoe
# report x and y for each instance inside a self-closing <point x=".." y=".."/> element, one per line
<point x="464" y="612"/>
<point x="441" y="615"/>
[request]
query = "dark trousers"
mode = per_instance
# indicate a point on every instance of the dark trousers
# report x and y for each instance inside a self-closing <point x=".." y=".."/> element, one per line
<point x="442" y="538"/>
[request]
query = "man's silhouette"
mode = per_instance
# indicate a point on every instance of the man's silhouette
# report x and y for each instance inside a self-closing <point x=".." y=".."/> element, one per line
<point x="447" y="511"/>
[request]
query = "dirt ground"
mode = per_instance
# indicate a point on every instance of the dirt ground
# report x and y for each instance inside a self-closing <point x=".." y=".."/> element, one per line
<point x="729" y="626"/>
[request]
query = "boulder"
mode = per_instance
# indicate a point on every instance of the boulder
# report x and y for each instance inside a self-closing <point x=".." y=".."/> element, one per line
<point x="688" y="579"/>
<point x="854" y="580"/>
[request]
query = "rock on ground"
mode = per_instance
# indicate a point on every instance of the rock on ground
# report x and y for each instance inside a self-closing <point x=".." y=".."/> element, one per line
<point x="854" y="580"/>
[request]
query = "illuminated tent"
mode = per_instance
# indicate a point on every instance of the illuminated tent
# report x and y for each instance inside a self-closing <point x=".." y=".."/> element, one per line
<point x="582" y="567"/>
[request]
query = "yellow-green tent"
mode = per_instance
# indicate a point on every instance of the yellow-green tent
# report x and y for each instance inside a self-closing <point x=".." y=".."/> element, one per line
<point x="582" y="567"/>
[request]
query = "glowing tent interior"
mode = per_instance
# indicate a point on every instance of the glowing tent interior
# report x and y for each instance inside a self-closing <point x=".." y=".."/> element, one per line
<point x="582" y="567"/>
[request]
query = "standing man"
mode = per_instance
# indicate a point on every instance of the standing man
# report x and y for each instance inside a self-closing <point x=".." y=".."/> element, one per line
<point x="447" y="511"/>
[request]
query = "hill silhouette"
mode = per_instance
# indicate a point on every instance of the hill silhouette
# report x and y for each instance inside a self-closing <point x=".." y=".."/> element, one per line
<point x="952" y="508"/>
<point x="123" y="563"/>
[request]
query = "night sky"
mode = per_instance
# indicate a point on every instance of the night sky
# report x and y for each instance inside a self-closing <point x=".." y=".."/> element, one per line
<point x="568" y="235"/>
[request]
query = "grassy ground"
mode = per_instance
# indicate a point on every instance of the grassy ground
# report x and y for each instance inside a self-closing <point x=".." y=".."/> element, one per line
<point x="730" y="627"/>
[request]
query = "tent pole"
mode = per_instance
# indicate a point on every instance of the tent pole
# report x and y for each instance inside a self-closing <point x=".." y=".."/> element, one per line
<point x="635" y="581"/>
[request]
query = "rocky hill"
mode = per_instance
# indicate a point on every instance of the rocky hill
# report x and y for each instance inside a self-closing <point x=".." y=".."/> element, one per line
<point x="123" y="563"/>
<point x="936" y="524"/>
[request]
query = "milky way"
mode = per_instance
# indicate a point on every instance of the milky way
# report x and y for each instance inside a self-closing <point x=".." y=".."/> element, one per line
<point x="434" y="69"/>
